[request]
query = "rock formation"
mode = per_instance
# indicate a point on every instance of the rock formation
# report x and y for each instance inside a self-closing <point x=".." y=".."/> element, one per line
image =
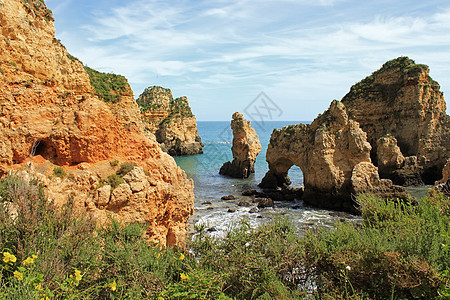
<point x="334" y="156"/>
<point x="51" y="113"/>
<point x="246" y="147"/>
<point x="171" y="120"/>
<point x="402" y="100"/>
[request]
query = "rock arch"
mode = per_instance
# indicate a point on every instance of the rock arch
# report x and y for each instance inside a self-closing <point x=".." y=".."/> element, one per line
<point x="327" y="151"/>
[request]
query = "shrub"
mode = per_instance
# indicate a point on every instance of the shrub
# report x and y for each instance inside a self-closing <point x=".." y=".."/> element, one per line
<point x="108" y="87"/>
<point x="59" y="171"/>
<point x="114" y="163"/>
<point x="125" y="168"/>
<point x="114" y="180"/>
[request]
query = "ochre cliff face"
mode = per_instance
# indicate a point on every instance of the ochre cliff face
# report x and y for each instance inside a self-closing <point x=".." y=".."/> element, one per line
<point x="171" y="120"/>
<point x="246" y="147"/>
<point x="327" y="151"/>
<point x="48" y="108"/>
<point x="401" y="99"/>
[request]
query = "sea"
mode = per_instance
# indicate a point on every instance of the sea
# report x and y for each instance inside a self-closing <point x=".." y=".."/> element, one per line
<point x="217" y="215"/>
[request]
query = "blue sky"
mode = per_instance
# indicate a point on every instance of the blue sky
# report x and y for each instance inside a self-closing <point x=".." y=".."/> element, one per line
<point x="222" y="54"/>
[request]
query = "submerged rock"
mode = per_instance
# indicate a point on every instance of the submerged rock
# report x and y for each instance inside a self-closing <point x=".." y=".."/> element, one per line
<point x="246" y="147"/>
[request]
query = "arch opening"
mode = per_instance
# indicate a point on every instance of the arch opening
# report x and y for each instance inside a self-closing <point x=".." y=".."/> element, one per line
<point x="296" y="177"/>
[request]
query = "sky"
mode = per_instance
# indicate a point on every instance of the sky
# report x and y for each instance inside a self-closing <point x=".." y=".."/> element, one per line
<point x="271" y="60"/>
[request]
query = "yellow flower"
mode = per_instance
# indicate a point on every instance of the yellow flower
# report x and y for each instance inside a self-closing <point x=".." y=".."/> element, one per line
<point x="8" y="257"/>
<point x="38" y="287"/>
<point x="184" y="276"/>
<point x="18" y="275"/>
<point x="28" y="261"/>
<point x="181" y="256"/>
<point x="33" y="256"/>
<point x="45" y="298"/>
<point x="77" y="275"/>
<point x="113" y="286"/>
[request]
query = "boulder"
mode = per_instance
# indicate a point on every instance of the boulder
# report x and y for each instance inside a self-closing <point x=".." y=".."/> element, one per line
<point x="246" y="147"/>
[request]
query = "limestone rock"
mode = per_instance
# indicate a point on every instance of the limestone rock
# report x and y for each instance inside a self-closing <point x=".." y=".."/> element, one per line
<point x="402" y="100"/>
<point x="389" y="155"/>
<point x="246" y="147"/>
<point x="103" y="196"/>
<point x="445" y="173"/>
<point x="171" y="120"/>
<point x="51" y="114"/>
<point x="327" y="151"/>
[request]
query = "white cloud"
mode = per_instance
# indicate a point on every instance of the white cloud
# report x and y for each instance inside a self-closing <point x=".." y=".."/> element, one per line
<point x="315" y="46"/>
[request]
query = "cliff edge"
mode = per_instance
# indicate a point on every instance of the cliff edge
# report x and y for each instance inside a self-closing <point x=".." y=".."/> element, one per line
<point x="50" y="113"/>
<point x="401" y="100"/>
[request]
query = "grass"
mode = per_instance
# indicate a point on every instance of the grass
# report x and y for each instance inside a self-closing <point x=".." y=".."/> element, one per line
<point x="400" y="251"/>
<point x="108" y="87"/>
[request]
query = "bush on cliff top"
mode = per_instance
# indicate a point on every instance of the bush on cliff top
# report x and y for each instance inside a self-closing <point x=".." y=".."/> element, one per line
<point x="400" y="251"/>
<point x="108" y="87"/>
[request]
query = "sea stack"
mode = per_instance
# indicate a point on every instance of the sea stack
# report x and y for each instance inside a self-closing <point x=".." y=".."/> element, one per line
<point x="246" y="147"/>
<point x="171" y="121"/>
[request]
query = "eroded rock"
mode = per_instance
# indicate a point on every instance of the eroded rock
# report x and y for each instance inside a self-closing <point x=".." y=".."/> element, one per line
<point x="327" y="151"/>
<point x="50" y="114"/>
<point x="246" y="147"/>
<point x="171" y="120"/>
<point x="402" y="100"/>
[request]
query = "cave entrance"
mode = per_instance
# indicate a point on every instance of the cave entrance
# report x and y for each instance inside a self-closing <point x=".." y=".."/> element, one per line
<point x="44" y="149"/>
<point x="296" y="176"/>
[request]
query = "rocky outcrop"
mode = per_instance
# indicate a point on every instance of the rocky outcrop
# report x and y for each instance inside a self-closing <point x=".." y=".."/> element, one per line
<point x="443" y="185"/>
<point x="402" y="100"/>
<point x="334" y="156"/>
<point x="171" y="120"/>
<point x="246" y="147"/>
<point x="51" y="113"/>
<point x="393" y="165"/>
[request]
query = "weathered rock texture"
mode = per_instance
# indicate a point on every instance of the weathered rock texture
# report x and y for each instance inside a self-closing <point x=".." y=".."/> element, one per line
<point x="171" y="120"/>
<point x="245" y="149"/>
<point x="334" y="156"/>
<point x="48" y="108"/>
<point x="402" y="100"/>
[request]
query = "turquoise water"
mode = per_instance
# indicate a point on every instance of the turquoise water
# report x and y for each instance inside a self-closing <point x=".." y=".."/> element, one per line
<point x="210" y="186"/>
<point x="217" y="138"/>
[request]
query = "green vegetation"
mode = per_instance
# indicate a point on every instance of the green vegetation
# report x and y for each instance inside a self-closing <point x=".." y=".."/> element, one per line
<point x="59" y="171"/>
<point x="178" y="107"/>
<point x="125" y="168"/>
<point x="108" y="87"/>
<point x="114" y="163"/>
<point x="153" y="97"/>
<point x="114" y="180"/>
<point x="40" y="9"/>
<point x="367" y="86"/>
<point x="400" y="251"/>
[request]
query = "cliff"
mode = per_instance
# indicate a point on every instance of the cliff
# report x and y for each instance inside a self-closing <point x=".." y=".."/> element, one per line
<point x="50" y="113"/>
<point x="246" y="147"/>
<point x="403" y="101"/>
<point x="171" y="120"/>
<point x="334" y="156"/>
